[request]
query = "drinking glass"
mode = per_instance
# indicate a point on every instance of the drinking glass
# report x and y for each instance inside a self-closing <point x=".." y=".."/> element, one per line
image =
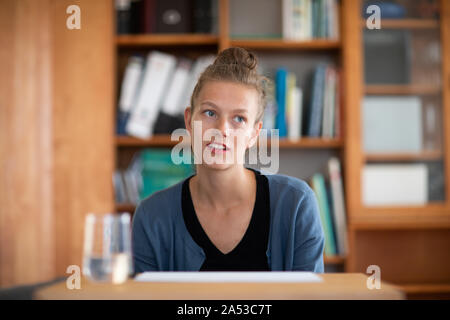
<point x="107" y="247"/>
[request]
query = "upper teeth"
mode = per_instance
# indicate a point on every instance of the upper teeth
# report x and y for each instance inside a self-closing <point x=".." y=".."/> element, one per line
<point x="217" y="146"/>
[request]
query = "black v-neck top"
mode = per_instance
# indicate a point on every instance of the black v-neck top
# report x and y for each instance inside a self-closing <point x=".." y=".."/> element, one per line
<point x="250" y="253"/>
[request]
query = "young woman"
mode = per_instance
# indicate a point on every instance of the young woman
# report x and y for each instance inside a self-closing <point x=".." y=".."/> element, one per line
<point x="227" y="217"/>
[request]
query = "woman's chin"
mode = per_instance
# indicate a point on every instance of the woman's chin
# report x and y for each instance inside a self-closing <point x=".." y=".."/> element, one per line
<point x="217" y="165"/>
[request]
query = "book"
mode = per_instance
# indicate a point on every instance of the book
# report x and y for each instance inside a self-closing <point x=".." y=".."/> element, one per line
<point x="158" y="69"/>
<point x="339" y="212"/>
<point x="291" y="83"/>
<point x="387" y="56"/>
<point x="330" y="102"/>
<point x="200" y="64"/>
<point x="315" y="108"/>
<point x="287" y="16"/>
<point x="173" y="16"/>
<point x="394" y="184"/>
<point x="281" y="87"/>
<point x="159" y="172"/>
<point x="318" y="185"/>
<point x="148" y="16"/>
<point x="135" y="16"/>
<point x="170" y="117"/>
<point x="129" y="91"/>
<point x="389" y="10"/>
<point x="202" y="16"/>
<point x="392" y="124"/>
<point x="119" y="188"/>
<point x="123" y="16"/>
<point x="295" y="125"/>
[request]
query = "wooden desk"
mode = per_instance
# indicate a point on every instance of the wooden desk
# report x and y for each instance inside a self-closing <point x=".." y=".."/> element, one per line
<point x="335" y="286"/>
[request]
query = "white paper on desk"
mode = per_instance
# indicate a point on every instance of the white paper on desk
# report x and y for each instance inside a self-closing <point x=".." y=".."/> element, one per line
<point x="215" y="276"/>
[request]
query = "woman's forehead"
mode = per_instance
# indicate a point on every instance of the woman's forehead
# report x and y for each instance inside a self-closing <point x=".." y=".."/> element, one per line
<point x="218" y="94"/>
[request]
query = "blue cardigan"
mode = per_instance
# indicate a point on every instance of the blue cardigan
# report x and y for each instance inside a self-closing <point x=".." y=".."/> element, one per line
<point x="161" y="242"/>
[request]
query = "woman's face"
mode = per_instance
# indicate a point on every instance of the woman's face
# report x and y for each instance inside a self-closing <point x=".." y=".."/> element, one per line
<point x="222" y="125"/>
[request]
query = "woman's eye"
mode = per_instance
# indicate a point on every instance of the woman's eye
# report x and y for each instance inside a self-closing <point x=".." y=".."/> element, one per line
<point x="209" y="113"/>
<point x="239" y="119"/>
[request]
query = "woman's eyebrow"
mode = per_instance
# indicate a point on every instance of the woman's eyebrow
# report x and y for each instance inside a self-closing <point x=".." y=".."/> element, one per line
<point x="211" y="104"/>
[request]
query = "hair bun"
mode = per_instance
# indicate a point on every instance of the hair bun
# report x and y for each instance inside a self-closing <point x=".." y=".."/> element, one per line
<point x="237" y="56"/>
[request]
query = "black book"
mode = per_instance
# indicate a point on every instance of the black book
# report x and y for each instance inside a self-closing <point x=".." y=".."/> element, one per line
<point x="136" y="8"/>
<point x="123" y="13"/>
<point x="173" y="16"/>
<point x="166" y="124"/>
<point x="202" y="16"/>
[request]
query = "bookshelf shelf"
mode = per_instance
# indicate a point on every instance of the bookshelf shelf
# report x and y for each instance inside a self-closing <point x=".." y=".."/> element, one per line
<point x="280" y="44"/>
<point x="165" y="141"/>
<point x="154" y="141"/>
<point x="310" y="143"/>
<point x="392" y="157"/>
<point x="125" y="207"/>
<point x="334" y="260"/>
<point x="149" y="40"/>
<point x="426" y="288"/>
<point x="403" y="90"/>
<point x="429" y="216"/>
<point x="407" y="23"/>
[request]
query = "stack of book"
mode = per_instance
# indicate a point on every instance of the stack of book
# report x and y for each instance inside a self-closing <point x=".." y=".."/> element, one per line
<point x="155" y="91"/>
<point x="330" y="196"/>
<point x="309" y="19"/>
<point x="320" y="118"/>
<point x="150" y="170"/>
<point x="165" y="16"/>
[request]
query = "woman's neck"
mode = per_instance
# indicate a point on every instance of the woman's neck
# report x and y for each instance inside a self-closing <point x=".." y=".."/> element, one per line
<point x="223" y="189"/>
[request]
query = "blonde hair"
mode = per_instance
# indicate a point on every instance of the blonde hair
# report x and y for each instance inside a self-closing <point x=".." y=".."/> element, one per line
<point x="239" y="66"/>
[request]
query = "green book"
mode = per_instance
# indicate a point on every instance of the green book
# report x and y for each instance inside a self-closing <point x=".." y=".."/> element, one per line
<point x="318" y="185"/>
<point x="159" y="171"/>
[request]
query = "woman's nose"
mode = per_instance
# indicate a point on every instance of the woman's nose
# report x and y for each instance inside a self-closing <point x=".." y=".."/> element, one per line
<point x="224" y="127"/>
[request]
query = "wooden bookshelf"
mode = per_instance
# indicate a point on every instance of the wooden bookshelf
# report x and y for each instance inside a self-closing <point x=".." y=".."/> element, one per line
<point x="404" y="157"/>
<point x="125" y="207"/>
<point x="384" y="235"/>
<point x="427" y="291"/>
<point x="334" y="260"/>
<point x="402" y="90"/>
<point x="406" y="23"/>
<point x="154" y="141"/>
<point x="155" y="40"/>
<point x="280" y="44"/>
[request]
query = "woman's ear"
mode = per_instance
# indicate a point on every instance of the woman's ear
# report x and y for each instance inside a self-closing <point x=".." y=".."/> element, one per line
<point x="187" y="119"/>
<point x="255" y="134"/>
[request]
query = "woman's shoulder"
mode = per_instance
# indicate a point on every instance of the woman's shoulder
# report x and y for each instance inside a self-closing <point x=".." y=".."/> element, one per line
<point x="161" y="204"/>
<point x="284" y="184"/>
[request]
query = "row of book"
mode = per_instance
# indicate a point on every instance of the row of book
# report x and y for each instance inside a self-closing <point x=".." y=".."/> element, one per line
<point x="165" y="16"/>
<point x="320" y="117"/>
<point x="309" y="19"/>
<point x="330" y="197"/>
<point x="155" y="91"/>
<point x="149" y="171"/>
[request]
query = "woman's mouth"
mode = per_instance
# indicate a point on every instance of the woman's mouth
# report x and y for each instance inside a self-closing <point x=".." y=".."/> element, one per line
<point x="217" y="147"/>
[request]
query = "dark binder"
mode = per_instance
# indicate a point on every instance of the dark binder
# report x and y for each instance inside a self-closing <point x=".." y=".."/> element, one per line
<point x="173" y="16"/>
<point x="148" y="16"/>
<point x="202" y="16"/>
<point x="166" y="124"/>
